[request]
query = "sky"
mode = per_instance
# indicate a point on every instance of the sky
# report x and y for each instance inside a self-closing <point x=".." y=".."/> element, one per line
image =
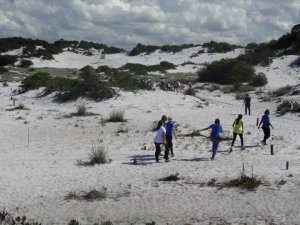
<point x="124" y="23"/>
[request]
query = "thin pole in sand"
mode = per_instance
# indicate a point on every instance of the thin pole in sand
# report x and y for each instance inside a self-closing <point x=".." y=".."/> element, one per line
<point x="28" y="136"/>
<point x="287" y="165"/>
<point x="257" y="121"/>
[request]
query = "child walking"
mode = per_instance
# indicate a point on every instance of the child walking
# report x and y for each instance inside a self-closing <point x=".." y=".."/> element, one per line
<point x="169" y="135"/>
<point x="266" y="124"/>
<point x="160" y="139"/>
<point x="238" y="129"/>
<point x="216" y="129"/>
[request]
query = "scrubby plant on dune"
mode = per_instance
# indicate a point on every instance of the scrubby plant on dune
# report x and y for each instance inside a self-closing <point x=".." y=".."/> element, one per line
<point x="282" y="91"/>
<point x="116" y="116"/>
<point x="190" y="91"/>
<point x="67" y="89"/>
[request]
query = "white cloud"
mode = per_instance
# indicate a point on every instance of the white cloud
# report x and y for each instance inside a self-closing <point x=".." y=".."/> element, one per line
<point x="124" y="23"/>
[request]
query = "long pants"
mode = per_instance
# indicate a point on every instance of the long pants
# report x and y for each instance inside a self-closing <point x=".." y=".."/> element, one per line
<point x="267" y="133"/>
<point x="157" y="151"/>
<point x="247" y="107"/>
<point x="234" y="138"/>
<point x="169" y="145"/>
<point x="215" y="145"/>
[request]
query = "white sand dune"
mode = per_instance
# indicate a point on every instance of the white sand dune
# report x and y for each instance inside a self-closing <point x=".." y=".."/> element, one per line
<point x="37" y="173"/>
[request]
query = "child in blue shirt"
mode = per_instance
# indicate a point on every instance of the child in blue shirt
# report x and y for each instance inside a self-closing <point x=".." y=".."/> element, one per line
<point x="265" y="122"/>
<point x="216" y="129"/>
<point x="169" y="135"/>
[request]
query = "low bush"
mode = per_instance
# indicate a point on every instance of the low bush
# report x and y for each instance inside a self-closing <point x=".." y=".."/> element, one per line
<point x="68" y="89"/>
<point x="221" y="47"/>
<point x="241" y="88"/>
<point x="287" y="106"/>
<point x="35" y="81"/>
<point x="190" y="91"/>
<point x="25" y="63"/>
<point x="226" y="71"/>
<point x="116" y="116"/>
<point x="295" y="107"/>
<point x="244" y="182"/>
<point x="240" y="96"/>
<point x="282" y="91"/>
<point x="6" y="60"/>
<point x="128" y="82"/>
<point x="259" y="80"/>
<point x="3" y="70"/>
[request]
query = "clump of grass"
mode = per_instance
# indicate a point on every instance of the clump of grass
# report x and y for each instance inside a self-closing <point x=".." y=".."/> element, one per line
<point x="81" y="110"/>
<point x="244" y="182"/>
<point x="98" y="155"/>
<point x="116" y="116"/>
<point x="190" y="91"/>
<point x="172" y="177"/>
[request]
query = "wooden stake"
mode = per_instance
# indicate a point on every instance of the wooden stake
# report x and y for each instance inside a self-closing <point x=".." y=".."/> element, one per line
<point x="257" y="121"/>
<point x="287" y="165"/>
<point x="272" y="153"/>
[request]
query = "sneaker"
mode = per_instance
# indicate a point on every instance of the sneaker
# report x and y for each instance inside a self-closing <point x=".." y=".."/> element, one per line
<point x="167" y="160"/>
<point x="157" y="161"/>
<point x="230" y="150"/>
<point x="172" y="155"/>
<point x="243" y="148"/>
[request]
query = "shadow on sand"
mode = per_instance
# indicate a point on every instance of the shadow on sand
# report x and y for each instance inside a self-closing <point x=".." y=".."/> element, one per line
<point x="192" y="160"/>
<point x="141" y="160"/>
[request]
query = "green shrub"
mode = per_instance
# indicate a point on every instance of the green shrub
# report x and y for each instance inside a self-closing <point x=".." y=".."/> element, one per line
<point x="35" y="81"/>
<point x="190" y="91"/>
<point x="116" y="116"/>
<point x="226" y="71"/>
<point x="257" y="54"/>
<point x="3" y="70"/>
<point x="105" y="69"/>
<point x="259" y="80"/>
<point x="128" y="82"/>
<point x="7" y="60"/>
<point x="295" y="107"/>
<point x="147" y="49"/>
<point x="242" y="88"/>
<point x="137" y="69"/>
<point x="25" y="63"/>
<point x="282" y="91"/>
<point x="221" y="47"/>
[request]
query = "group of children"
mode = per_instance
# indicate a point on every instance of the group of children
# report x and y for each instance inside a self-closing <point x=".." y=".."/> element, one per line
<point x="164" y="137"/>
<point x="165" y="131"/>
<point x="175" y="86"/>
